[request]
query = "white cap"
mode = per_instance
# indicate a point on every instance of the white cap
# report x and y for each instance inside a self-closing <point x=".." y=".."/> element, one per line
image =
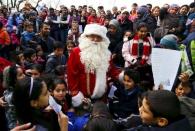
<point x="96" y="30"/>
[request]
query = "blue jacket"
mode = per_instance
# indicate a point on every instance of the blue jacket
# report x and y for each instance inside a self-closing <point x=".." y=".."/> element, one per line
<point x="77" y="122"/>
<point x="28" y="36"/>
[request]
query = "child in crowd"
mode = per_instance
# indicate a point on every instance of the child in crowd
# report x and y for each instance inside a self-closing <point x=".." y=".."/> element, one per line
<point x="185" y="69"/>
<point x="123" y="98"/>
<point x="160" y="110"/>
<point x="20" y="28"/>
<point x="69" y="46"/>
<point x="30" y="98"/>
<point x="83" y="20"/>
<point x="3" y="19"/>
<point x="18" y="58"/>
<point x="73" y="33"/>
<point x="100" y="119"/>
<point x="56" y="58"/>
<point x="107" y="21"/>
<point x="137" y="50"/>
<point x="40" y="55"/>
<point x="13" y="36"/>
<point x="4" y="41"/>
<point x="60" y="72"/>
<point x="35" y="71"/>
<point x="117" y="54"/>
<point x="102" y="18"/>
<point x="27" y="38"/>
<point x="59" y="92"/>
<point x="183" y="88"/>
<point x="30" y="57"/>
<point x="10" y="76"/>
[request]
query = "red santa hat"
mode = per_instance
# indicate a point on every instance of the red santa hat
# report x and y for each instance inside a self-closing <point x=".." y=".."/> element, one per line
<point x="96" y="30"/>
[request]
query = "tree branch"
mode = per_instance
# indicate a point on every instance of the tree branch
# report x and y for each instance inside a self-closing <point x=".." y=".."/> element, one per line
<point x="38" y="3"/>
<point x="1" y="2"/>
<point x="18" y="5"/>
<point x="12" y="4"/>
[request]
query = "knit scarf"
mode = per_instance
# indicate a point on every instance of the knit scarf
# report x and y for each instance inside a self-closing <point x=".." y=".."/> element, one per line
<point x="135" y="47"/>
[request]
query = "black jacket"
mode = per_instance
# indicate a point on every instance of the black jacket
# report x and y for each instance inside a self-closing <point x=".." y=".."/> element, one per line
<point x="125" y="102"/>
<point x="180" y="125"/>
<point x="54" y="61"/>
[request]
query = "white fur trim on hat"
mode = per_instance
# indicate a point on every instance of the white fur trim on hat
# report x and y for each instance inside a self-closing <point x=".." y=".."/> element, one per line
<point x="124" y="11"/>
<point x="96" y="30"/>
<point x="78" y="99"/>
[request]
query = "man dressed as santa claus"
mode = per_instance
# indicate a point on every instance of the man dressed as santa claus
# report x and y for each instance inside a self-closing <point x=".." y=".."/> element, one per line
<point x="89" y="65"/>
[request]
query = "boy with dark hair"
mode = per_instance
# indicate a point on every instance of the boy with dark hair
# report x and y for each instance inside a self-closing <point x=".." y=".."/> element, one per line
<point x="100" y="119"/>
<point x="30" y="57"/>
<point x="123" y="98"/>
<point x="149" y="6"/>
<point x="56" y="58"/>
<point x="160" y="111"/>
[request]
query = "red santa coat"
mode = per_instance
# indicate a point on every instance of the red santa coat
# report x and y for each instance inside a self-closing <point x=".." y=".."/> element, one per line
<point x="82" y="84"/>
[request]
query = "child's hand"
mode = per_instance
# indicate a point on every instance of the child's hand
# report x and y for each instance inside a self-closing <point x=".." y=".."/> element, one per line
<point x="160" y="87"/>
<point x="184" y="77"/>
<point x="113" y="56"/>
<point x="71" y="110"/>
<point x="86" y="103"/>
<point x="48" y="109"/>
<point x="33" y="42"/>
<point x="2" y="102"/>
<point x="63" y="121"/>
<point x="24" y="127"/>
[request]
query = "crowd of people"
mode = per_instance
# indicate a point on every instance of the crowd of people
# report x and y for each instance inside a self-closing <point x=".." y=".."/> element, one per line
<point x="82" y="69"/>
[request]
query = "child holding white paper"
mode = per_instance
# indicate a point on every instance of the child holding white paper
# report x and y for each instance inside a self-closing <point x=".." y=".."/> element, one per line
<point x="185" y="70"/>
<point x="184" y="89"/>
<point x="59" y="93"/>
<point x="30" y="98"/>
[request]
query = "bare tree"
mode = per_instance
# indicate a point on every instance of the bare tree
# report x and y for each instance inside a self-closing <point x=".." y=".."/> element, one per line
<point x="1" y="2"/>
<point x="21" y="1"/>
<point x="18" y="5"/>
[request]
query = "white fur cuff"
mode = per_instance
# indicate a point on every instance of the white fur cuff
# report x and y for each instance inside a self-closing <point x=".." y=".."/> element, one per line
<point x="78" y="99"/>
<point x="133" y="60"/>
<point x="120" y="77"/>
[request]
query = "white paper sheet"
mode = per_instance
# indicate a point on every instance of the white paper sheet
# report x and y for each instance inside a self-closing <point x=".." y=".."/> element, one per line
<point x="56" y="107"/>
<point x="165" y="64"/>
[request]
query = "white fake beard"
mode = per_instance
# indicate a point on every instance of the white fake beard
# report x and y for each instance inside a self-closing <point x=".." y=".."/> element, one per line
<point x="94" y="55"/>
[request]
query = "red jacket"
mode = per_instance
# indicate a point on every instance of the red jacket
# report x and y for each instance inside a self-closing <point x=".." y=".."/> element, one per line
<point x="101" y="21"/>
<point x="3" y="63"/>
<point x="4" y="37"/>
<point x="92" y="19"/>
